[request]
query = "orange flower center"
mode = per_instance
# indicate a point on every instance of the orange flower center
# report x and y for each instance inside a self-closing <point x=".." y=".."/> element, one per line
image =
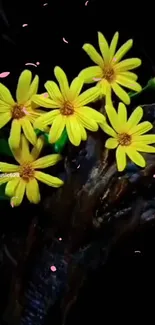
<point x="124" y="139"/>
<point x="109" y="73"/>
<point x="26" y="172"/>
<point x="18" y="112"/>
<point x="67" y="109"/>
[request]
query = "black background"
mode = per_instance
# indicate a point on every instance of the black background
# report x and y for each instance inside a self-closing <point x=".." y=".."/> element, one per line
<point x="125" y="288"/>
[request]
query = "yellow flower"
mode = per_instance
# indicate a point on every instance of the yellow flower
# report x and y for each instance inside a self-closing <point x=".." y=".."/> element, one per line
<point x="127" y="135"/>
<point x="28" y="172"/>
<point x="70" y="111"/>
<point x="21" y="112"/>
<point x="110" y="72"/>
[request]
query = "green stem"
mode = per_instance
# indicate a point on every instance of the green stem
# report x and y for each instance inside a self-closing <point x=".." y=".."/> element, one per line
<point x="133" y="94"/>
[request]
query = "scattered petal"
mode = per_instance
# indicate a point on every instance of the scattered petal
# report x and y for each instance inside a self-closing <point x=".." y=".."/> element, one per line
<point x="86" y="3"/>
<point x="4" y="74"/>
<point x="29" y="63"/>
<point x="65" y="40"/>
<point x="97" y="79"/>
<point x="60" y="239"/>
<point x="37" y="63"/>
<point x="53" y="268"/>
<point x="45" y="95"/>
<point x="24" y="25"/>
<point x="25" y="111"/>
<point x="45" y="4"/>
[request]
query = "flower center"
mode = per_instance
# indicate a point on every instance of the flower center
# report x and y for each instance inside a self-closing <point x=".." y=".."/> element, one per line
<point x="124" y="139"/>
<point x="26" y="172"/>
<point x="109" y="74"/>
<point x="67" y="109"/>
<point x="18" y="111"/>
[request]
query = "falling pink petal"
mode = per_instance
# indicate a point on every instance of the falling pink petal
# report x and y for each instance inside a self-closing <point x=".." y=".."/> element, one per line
<point x="31" y="64"/>
<point x="65" y="40"/>
<point x="37" y="63"/>
<point x="53" y="268"/>
<point x="12" y="204"/>
<point x="60" y="238"/>
<point x="97" y="79"/>
<point x="154" y="176"/>
<point x="24" y="25"/>
<point x="86" y="3"/>
<point x="139" y="252"/>
<point x="45" y="95"/>
<point x="45" y="4"/>
<point x="114" y="59"/>
<point x="25" y="111"/>
<point x="4" y="74"/>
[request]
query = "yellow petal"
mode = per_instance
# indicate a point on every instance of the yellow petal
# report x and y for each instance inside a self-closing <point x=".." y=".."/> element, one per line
<point x="83" y="132"/>
<point x="87" y="96"/>
<point x="93" y="54"/>
<point x="4" y="118"/>
<point x="73" y="130"/>
<point x="19" y="193"/>
<point x="143" y="147"/>
<point x="22" y="92"/>
<point x="33" y="87"/>
<point x="32" y="191"/>
<point x="48" y="179"/>
<point x="11" y="186"/>
<point x="113" y="45"/>
<point x="122" y="114"/>
<point x="54" y="92"/>
<point x="47" y="161"/>
<point x="63" y="82"/>
<point x="15" y="134"/>
<point x="104" y="47"/>
<point x="3" y="179"/>
<point x="122" y="94"/>
<point x="75" y="87"/>
<point x="29" y="131"/>
<point x="134" y="118"/>
<point x="91" y="114"/>
<point x="22" y="154"/>
<point x="113" y="118"/>
<point x="5" y="95"/>
<point x="128" y="83"/>
<point x="120" y="158"/>
<point x="89" y="74"/>
<point x="141" y="128"/>
<point x="46" y="119"/>
<point x="4" y="107"/>
<point x="106" y="90"/>
<point x="87" y="123"/>
<point x="107" y="129"/>
<point x="123" y="50"/>
<point x="129" y="75"/>
<point x="145" y="139"/>
<point x="8" y="168"/>
<point x="128" y="64"/>
<point x="135" y="156"/>
<point x="111" y="143"/>
<point x="57" y="128"/>
<point x="35" y="152"/>
<point x="44" y="102"/>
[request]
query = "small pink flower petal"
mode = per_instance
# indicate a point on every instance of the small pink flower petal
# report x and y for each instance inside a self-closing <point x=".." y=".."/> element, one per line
<point x="4" y="74"/>
<point x="45" y="95"/>
<point x="53" y="268"/>
<point x="86" y="3"/>
<point x="65" y="40"/>
<point x="97" y="79"/>
<point x="29" y="63"/>
<point x="24" y="25"/>
<point x="45" y="4"/>
<point x="37" y="63"/>
<point x="60" y="239"/>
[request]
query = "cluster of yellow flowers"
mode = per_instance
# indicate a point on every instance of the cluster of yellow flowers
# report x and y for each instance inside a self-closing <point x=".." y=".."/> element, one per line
<point x="68" y="109"/>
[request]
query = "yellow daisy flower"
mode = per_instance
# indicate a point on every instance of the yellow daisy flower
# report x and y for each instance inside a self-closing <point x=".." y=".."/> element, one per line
<point x="109" y="71"/>
<point x="128" y="136"/>
<point x="21" y="112"/>
<point x="28" y="172"/>
<point x="70" y="109"/>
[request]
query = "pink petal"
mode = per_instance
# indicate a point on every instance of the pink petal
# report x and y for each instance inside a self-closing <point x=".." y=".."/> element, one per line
<point x="4" y="74"/>
<point x="31" y="64"/>
<point x="53" y="268"/>
<point x="65" y="40"/>
<point x="24" y="25"/>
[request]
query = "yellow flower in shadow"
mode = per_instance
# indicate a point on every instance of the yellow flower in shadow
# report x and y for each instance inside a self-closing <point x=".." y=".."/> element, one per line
<point x="70" y="109"/>
<point x="22" y="111"/>
<point x="110" y="71"/>
<point x="128" y="136"/>
<point x="28" y="173"/>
